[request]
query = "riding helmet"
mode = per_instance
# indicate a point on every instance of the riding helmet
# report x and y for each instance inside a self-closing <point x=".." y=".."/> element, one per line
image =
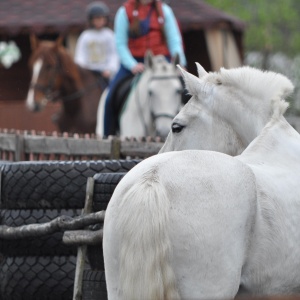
<point x="97" y="9"/>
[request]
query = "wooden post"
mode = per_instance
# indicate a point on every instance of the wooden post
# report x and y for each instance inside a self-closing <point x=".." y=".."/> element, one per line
<point x="81" y="252"/>
<point x="115" y="152"/>
<point x="19" y="151"/>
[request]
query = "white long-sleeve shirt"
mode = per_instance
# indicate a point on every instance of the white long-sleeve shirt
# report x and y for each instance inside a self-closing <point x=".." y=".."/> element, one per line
<point x="95" y="50"/>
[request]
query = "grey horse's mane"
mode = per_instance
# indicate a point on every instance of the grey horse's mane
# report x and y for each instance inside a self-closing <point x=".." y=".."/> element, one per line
<point x="268" y="86"/>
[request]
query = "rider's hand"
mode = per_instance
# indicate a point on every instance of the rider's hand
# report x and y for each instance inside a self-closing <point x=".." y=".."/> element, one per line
<point x="106" y="74"/>
<point x="138" y="68"/>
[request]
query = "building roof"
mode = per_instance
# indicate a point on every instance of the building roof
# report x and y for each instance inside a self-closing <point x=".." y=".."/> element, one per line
<point x="44" y="16"/>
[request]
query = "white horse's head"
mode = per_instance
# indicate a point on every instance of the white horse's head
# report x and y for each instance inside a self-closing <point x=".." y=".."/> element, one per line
<point x="164" y="92"/>
<point x="228" y="109"/>
<point x="155" y="101"/>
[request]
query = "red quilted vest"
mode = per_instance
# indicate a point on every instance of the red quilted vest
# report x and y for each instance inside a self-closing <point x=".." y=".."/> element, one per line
<point x="154" y="40"/>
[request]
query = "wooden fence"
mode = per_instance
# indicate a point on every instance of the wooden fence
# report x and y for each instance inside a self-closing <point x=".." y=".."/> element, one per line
<point x="29" y="145"/>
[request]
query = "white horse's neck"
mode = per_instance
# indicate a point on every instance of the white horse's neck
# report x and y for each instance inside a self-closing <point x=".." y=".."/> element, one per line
<point x="137" y="106"/>
<point x="241" y="116"/>
<point x="278" y="142"/>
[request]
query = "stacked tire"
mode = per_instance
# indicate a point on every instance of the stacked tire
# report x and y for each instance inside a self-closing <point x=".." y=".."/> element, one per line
<point x="38" y="192"/>
<point x="94" y="284"/>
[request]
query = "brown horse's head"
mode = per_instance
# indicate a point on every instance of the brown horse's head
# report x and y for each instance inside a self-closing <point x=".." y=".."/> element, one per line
<point x="51" y="67"/>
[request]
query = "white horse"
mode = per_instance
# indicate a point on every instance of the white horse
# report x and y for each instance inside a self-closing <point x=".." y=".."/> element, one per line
<point x="152" y="103"/>
<point x="202" y="224"/>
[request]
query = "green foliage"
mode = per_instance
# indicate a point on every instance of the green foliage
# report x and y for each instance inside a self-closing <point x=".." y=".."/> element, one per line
<point x="272" y="25"/>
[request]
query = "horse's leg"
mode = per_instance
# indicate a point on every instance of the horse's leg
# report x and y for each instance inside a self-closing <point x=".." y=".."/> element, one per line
<point x="100" y="114"/>
<point x="62" y="121"/>
<point x="209" y="251"/>
<point x="211" y="220"/>
<point x="165" y="232"/>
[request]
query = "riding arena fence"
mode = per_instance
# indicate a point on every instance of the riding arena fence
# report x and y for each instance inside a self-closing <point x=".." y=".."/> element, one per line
<point x="18" y="145"/>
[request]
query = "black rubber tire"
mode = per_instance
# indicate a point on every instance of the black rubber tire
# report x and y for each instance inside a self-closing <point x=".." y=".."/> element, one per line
<point x="104" y="186"/>
<point x="95" y="257"/>
<point x="52" y="184"/>
<point x="37" y="278"/>
<point x="94" y="285"/>
<point x="49" y="245"/>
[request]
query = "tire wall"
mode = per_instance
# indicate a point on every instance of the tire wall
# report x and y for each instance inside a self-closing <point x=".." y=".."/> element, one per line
<point x="38" y="192"/>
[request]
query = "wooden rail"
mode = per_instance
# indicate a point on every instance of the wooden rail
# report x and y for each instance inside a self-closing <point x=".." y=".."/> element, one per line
<point x="29" y="145"/>
<point x="21" y="146"/>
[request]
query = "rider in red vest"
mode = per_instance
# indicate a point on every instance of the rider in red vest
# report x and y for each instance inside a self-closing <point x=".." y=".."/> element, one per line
<point x="154" y="39"/>
<point x="141" y="25"/>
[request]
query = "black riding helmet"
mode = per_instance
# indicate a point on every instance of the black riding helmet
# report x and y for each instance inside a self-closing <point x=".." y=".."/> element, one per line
<point x="97" y="9"/>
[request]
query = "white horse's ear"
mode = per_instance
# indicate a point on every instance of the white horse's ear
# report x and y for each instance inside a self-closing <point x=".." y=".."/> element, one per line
<point x="191" y="81"/>
<point x="149" y="59"/>
<point x="200" y="70"/>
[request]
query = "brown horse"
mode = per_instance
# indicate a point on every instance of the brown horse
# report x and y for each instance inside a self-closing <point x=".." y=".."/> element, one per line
<point x="56" y="77"/>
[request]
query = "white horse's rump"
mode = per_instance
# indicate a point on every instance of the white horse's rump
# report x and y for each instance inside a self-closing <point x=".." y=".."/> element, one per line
<point x="148" y="226"/>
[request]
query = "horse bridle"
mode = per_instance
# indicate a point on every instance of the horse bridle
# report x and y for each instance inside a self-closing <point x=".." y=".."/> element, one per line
<point x="153" y="115"/>
<point x="163" y="115"/>
<point x="47" y="90"/>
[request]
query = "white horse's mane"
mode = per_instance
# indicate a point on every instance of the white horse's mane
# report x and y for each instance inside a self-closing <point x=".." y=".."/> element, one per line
<point x="264" y="85"/>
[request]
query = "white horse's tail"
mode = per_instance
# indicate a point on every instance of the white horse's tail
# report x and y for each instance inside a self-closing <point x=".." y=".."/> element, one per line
<point x="145" y="249"/>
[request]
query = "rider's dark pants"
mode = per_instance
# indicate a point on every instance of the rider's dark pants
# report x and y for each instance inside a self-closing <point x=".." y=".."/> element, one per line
<point x="110" y="118"/>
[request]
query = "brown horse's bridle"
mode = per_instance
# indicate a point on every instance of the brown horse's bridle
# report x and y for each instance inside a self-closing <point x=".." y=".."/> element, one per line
<point x="52" y="96"/>
<point x="47" y="89"/>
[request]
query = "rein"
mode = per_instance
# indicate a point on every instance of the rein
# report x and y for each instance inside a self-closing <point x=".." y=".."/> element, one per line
<point x="82" y="92"/>
<point x="47" y="89"/>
